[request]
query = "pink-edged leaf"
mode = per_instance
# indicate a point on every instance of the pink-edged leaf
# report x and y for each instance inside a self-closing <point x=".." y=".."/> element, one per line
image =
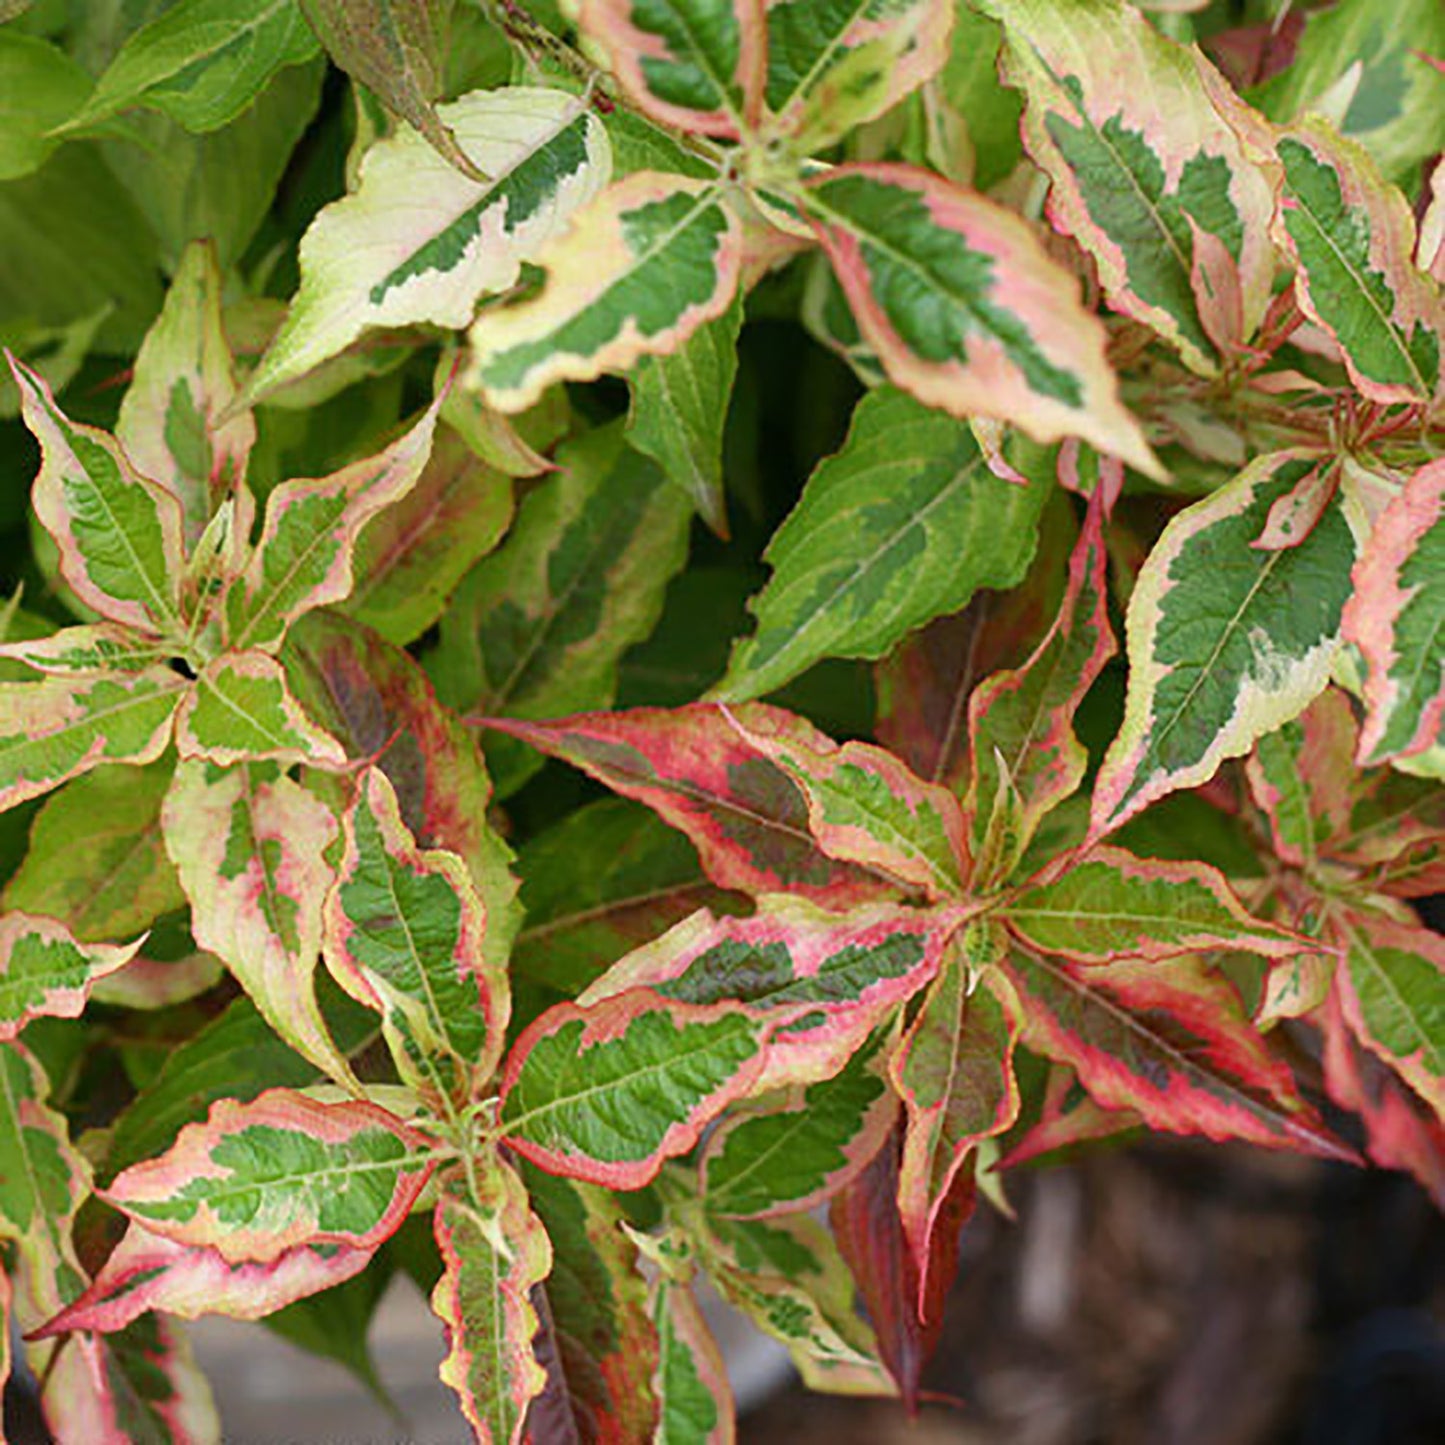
<point x="1354" y="238"/>
<point x="403" y="935"/>
<point x="695" y="1399"/>
<point x="1225" y="641"/>
<point x="1391" y="986"/>
<point x="864" y="806"/>
<point x="746" y="816"/>
<point x="241" y="709"/>
<point x="1169" y="1040"/>
<point x="795" y="1149"/>
<point x="601" y="1352"/>
<point x="1396" y="832"/>
<point x="150" y="1272"/>
<point x="693" y="64"/>
<point x="1157" y="169"/>
<point x="119" y="533"/>
<point x="259" y="1179"/>
<point x="304" y="557"/>
<point x="58" y="728"/>
<point x="170" y="420"/>
<point x="826" y="979"/>
<point x="1396" y="616"/>
<point x="157" y="1386"/>
<point x="1294" y="516"/>
<point x="495" y="1253"/>
<point x="907" y="1316"/>
<point x="1025" y="758"/>
<point x="607" y="1093"/>
<point x="92" y="647"/>
<point x="1068" y="1116"/>
<point x="1111" y="905"/>
<point x="637" y="271"/>
<point x="46" y="970"/>
<point x="954" y="1073"/>
<point x="965" y="308"/>
<point x="1400" y="1133"/>
<point x="249" y="845"/>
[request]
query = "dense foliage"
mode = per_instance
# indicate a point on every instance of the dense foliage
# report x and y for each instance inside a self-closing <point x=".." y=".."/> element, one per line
<point x="350" y="590"/>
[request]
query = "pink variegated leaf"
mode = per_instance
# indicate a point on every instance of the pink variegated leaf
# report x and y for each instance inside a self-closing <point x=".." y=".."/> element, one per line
<point x="1025" y="758"/>
<point x="693" y="64"/>
<point x="954" y="1073"/>
<point x="1395" y="617"/>
<point x="241" y="709"/>
<point x="1158" y="170"/>
<point x="1354" y="239"/>
<point x="695" y="1398"/>
<point x="249" y="845"/>
<point x="1396" y="833"/>
<point x="259" y="1179"/>
<point x="906" y="1311"/>
<point x="46" y="970"/>
<point x="795" y="1149"/>
<point x="119" y="533"/>
<point x="150" y="1272"/>
<point x="1111" y="905"/>
<point x="637" y="271"/>
<point x="965" y="308"/>
<point x="495" y="1253"/>
<point x="744" y="813"/>
<point x="304" y="557"/>
<point x="1391" y="987"/>
<point x="403" y="935"/>
<point x="1170" y="1041"/>
<point x="92" y="647"/>
<point x="606" y="1093"/>
<point x="1295" y="515"/>
<point x="1068" y="1117"/>
<point x="864" y="806"/>
<point x="170" y="420"/>
<point x="60" y="727"/>
<point x="826" y="979"/>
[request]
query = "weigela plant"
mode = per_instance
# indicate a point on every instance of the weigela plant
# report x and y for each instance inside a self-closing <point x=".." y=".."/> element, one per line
<point x="312" y="969"/>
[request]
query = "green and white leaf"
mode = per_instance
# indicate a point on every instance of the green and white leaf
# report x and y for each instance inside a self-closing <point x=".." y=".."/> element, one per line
<point x="46" y="970"/>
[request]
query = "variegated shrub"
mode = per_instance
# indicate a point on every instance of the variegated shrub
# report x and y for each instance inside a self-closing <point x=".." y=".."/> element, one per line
<point x="349" y="586"/>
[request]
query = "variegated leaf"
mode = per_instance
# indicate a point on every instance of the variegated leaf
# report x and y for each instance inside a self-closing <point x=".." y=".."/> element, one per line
<point x="954" y="1073"/>
<point x="418" y="241"/>
<point x="1170" y="1041"/>
<point x="378" y="703"/>
<point x="495" y="1253"/>
<point x="241" y="708"/>
<point x="119" y="534"/>
<point x="693" y="64"/>
<point x="304" y="557"/>
<point x="96" y="859"/>
<point x="1024" y="757"/>
<point x="257" y="1180"/>
<point x="793" y="1150"/>
<point x="538" y="628"/>
<point x="57" y="729"/>
<point x="607" y="1093"/>
<point x="691" y="765"/>
<point x="412" y="557"/>
<point x="864" y="806"/>
<point x="150" y="1272"/>
<point x="249" y="845"/>
<point x="1225" y="641"/>
<point x="834" y="64"/>
<point x="403" y="935"/>
<point x="1395" y="616"/>
<point x="695" y="1399"/>
<point x="1155" y="168"/>
<point x="46" y="970"/>
<point x="90" y="647"/>
<point x="1354" y="238"/>
<point x="826" y="979"/>
<point x="966" y="309"/>
<point x="636" y="273"/>
<point x="1068" y="1117"/>
<point x="1392" y="991"/>
<point x="901" y="526"/>
<point x="604" y="1347"/>
<point x="170" y="420"/>
<point x="1111" y="905"/>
